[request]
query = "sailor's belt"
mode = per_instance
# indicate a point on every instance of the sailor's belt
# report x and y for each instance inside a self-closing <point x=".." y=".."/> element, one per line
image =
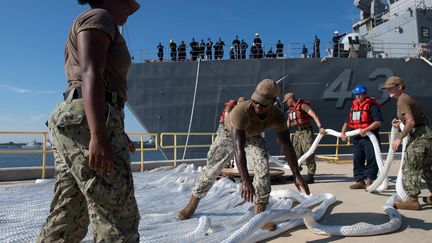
<point x="110" y="97"/>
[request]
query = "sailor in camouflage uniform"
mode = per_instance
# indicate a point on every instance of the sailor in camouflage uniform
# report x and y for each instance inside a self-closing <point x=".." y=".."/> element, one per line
<point x="299" y="117"/>
<point x="241" y="136"/>
<point x="418" y="153"/>
<point x="92" y="162"/>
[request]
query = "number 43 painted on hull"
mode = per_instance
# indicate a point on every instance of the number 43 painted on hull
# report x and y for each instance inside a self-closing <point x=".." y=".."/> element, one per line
<point x="340" y="88"/>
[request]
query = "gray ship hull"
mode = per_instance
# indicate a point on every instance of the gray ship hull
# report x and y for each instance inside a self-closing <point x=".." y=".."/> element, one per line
<point x="162" y="95"/>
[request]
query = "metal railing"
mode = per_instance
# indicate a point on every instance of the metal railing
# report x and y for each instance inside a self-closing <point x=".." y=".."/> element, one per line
<point x="142" y="147"/>
<point x="44" y="150"/>
<point x="44" y="147"/>
<point x="294" y="50"/>
<point x="175" y="146"/>
<point x="335" y="158"/>
<point x="291" y="50"/>
<point x="171" y="141"/>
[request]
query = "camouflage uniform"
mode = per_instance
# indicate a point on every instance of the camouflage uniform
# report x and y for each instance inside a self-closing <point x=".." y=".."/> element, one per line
<point x="222" y="150"/>
<point x="302" y="141"/>
<point x="82" y="195"/>
<point x="418" y="161"/>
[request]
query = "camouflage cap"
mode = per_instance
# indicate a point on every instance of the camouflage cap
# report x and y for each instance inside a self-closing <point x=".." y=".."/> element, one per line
<point x="393" y="81"/>
<point x="265" y="92"/>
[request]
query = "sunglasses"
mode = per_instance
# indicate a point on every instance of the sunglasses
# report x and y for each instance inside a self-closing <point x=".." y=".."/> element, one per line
<point x="257" y="103"/>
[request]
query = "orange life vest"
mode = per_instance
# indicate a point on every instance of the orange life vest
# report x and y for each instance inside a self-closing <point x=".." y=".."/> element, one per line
<point x="230" y="104"/>
<point x="360" y="116"/>
<point x="297" y="117"/>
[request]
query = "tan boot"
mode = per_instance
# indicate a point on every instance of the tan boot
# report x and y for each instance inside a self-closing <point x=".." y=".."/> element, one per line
<point x="358" y="185"/>
<point x="368" y="182"/>
<point x="427" y="200"/>
<point x="189" y="210"/>
<point x="410" y="204"/>
<point x="259" y="208"/>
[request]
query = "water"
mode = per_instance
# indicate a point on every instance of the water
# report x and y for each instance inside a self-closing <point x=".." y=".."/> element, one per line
<point x="35" y="159"/>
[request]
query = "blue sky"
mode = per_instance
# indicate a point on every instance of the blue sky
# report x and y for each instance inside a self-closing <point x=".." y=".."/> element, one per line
<point x="34" y="32"/>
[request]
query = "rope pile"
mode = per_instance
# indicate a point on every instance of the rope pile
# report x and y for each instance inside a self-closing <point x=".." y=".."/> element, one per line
<point x="222" y="215"/>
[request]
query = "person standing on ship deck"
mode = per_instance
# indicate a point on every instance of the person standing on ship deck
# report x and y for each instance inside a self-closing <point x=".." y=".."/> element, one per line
<point x="279" y="49"/>
<point x="209" y="46"/>
<point x="418" y="153"/>
<point x="316" y="47"/>
<point x="366" y="116"/>
<point x="194" y="49"/>
<point x="336" y="43"/>
<point x="173" y="47"/>
<point x="160" y="53"/>
<point x="181" y="51"/>
<point x="94" y="181"/>
<point x="244" y="47"/>
<point x="241" y="135"/>
<point x="299" y="117"/>
<point x="236" y="44"/>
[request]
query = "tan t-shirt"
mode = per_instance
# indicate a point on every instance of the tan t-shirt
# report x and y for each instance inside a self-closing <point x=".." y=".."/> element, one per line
<point x="404" y="104"/>
<point x="118" y="57"/>
<point x="243" y="117"/>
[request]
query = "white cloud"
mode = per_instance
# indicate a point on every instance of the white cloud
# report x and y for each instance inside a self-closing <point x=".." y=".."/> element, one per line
<point x="15" y="89"/>
<point x="19" y="90"/>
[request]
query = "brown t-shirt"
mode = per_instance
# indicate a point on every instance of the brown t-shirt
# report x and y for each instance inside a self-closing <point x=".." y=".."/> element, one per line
<point x="243" y="117"/>
<point x="404" y="104"/>
<point x="118" y="58"/>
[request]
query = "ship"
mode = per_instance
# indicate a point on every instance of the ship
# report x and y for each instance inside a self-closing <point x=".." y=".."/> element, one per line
<point x="391" y="38"/>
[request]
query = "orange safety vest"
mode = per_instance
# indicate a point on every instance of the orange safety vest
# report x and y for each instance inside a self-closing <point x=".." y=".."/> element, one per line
<point x="230" y="103"/>
<point x="360" y="116"/>
<point x="297" y="117"/>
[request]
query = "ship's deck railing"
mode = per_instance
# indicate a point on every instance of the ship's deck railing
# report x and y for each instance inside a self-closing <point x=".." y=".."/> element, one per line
<point x="153" y="137"/>
<point x="336" y="157"/>
<point x="174" y="141"/>
<point x="294" y="50"/>
<point x="175" y="146"/>
<point x="394" y="10"/>
<point x="45" y="148"/>
<point x="170" y="140"/>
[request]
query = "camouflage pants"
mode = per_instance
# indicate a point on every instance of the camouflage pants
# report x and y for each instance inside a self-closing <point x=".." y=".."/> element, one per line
<point x="222" y="150"/>
<point x="302" y="141"/>
<point x="82" y="195"/>
<point x="418" y="161"/>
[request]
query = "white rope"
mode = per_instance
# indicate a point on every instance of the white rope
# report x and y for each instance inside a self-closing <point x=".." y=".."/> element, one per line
<point x="399" y="181"/>
<point x="381" y="183"/>
<point x="222" y="215"/>
<point x="193" y="106"/>
<point x="426" y="60"/>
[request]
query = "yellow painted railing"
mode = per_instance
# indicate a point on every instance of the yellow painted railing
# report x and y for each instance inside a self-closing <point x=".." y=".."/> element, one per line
<point x="142" y="148"/>
<point x="174" y="145"/>
<point x="44" y="150"/>
<point x="165" y="139"/>
<point x="338" y="144"/>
